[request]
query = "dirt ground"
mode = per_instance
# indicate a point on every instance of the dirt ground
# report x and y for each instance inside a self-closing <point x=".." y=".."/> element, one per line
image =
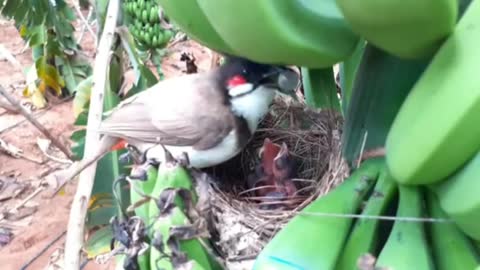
<point x="42" y="220"/>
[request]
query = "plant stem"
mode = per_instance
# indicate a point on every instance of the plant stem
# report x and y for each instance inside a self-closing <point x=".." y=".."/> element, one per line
<point x="35" y="122"/>
<point x="78" y="212"/>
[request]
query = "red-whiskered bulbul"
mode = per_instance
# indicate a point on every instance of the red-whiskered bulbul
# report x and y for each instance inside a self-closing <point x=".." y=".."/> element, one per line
<point x="208" y="116"/>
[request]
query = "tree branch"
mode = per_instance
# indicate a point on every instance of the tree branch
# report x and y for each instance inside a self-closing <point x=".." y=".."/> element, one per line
<point x="34" y="122"/>
<point x="78" y="212"/>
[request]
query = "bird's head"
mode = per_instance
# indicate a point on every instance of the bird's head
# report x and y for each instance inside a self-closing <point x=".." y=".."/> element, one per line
<point x="241" y="77"/>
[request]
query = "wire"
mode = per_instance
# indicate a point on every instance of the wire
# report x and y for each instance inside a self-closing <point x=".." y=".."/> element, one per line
<point x="27" y="264"/>
<point x="409" y="219"/>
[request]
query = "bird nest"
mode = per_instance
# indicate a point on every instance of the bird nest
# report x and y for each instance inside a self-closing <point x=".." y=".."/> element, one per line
<point x="242" y="227"/>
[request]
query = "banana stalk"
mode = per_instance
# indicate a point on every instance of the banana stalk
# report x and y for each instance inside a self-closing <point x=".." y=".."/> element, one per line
<point x="172" y="175"/>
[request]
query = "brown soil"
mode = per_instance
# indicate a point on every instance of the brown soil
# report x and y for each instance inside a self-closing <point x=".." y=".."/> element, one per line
<point x="35" y="232"/>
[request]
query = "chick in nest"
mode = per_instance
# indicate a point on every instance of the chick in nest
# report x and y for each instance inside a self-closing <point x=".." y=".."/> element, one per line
<point x="272" y="178"/>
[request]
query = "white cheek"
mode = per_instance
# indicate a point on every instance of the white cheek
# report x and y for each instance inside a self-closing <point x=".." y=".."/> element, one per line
<point x="253" y="106"/>
<point x="240" y="89"/>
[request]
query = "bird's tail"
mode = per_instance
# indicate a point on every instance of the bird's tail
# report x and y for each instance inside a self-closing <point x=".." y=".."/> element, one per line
<point x="106" y="145"/>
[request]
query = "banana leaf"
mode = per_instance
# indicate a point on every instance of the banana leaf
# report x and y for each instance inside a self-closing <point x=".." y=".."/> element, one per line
<point x="347" y="71"/>
<point x="320" y="89"/>
<point x="381" y="85"/>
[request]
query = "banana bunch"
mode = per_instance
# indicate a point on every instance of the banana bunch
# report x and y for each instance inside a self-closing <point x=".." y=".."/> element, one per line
<point x="143" y="19"/>
<point x="170" y="197"/>
<point x="424" y="209"/>
<point x="434" y="141"/>
<point x="391" y="227"/>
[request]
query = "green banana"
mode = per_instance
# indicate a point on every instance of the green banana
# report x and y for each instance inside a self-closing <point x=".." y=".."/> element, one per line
<point x="136" y="33"/>
<point x="406" y="29"/>
<point x="149" y="5"/>
<point x="141" y="4"/>
<point x="167" y="36"/>
<point x="138" y="24"/>
<point x="130" y="8"/>
<point x="148" y="39"/>
<point x="134" y="7"/>
<point x="406" y="246"/>
<point x="153" y="18"/>
<point x="141" y="211"/>
<point x="156" y="28"/>
<point x="459" y="198"/>
<point x="138" y="12"/>
<point x="146" y="187"/>
<point x="150" y="30"/>
<point x="311" y="34"/>
<point x="451" y="248"/>
<point x="311" y="242"/>
<point x="364" y="236"/>
<point x="161" y="38"/>
<point x="436" y="130"/>
<point x="173" y="176"/>
<point x="144" y="16"/>
<point x="155" y="42"/>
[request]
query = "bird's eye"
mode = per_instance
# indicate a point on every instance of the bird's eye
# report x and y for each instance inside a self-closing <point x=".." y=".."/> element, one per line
<point x="244" y="71"/>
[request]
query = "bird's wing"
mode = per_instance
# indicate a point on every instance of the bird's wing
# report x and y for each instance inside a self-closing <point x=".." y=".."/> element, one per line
<point x="187" y="118"/>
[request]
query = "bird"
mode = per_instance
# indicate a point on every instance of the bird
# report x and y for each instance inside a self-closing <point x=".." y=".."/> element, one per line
<point x="275" y="172"/>
<point x="284" y="170"/>
<point x="209" y="116"/>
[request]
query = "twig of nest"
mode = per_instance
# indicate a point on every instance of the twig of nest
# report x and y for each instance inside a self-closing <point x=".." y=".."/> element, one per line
<point x="242" y="226"/>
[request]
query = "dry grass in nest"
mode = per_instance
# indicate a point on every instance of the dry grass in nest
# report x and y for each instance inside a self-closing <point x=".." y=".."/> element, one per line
<point x="313" y="138"/>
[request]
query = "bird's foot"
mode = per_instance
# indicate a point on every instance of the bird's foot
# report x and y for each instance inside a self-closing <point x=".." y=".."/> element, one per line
<point x="183" y="160"/>
<point x="133" y="155"/>
<point x="140" y="172"/>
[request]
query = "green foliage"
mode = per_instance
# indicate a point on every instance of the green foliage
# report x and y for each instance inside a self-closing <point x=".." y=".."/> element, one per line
<point x="108" y="167"/>
<point x="347" y="71"/>
<point x="320" y="89"/>
<point x="47" y="28"/>
<point x="144" y="77"/>
<point x="381" y="85"/>
<point x="99" y="242"/>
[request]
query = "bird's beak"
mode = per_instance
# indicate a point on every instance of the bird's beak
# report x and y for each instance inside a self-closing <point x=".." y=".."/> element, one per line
<point x="285" y="79"/>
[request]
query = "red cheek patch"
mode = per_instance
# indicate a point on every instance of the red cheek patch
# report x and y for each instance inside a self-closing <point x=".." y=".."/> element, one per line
<point x="236" y="81"/>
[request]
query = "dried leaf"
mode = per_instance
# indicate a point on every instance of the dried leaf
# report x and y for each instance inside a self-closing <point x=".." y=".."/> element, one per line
<point x="10" y="188"/>
<point x="56" y="259"/>
<point x="32" y="89"/>
<point x="38" y="99"/>
<point x="82" y="95"/>
<point x="49" y="75"/>
<point x="5" y="236"/>
<point x="21" y="213"/>
<point x="10" y="149"/>
<point x="43" y="144"/>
